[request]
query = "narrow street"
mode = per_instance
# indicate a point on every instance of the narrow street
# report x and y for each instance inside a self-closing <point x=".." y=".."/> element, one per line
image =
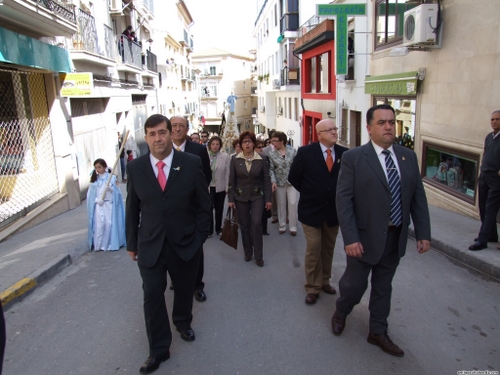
<point x="89" y="319"/>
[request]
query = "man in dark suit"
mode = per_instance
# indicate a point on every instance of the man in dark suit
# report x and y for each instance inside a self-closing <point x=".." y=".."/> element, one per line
<point x="489" y="187"/>
<point x="167" y="221"/>
<point x="314" y="173"/>
<point x="379" y="189"/>
<point x="180" y="127"/>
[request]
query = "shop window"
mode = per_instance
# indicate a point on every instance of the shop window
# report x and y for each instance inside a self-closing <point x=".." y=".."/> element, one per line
<point x="451" y="170"/>
<point x="389" y="21"/>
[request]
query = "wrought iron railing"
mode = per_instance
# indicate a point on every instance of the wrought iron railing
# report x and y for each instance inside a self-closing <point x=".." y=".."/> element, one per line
<point x="151" y="64"/>
<point x="59" y="8"/>
<point x="130" y="51"/>
<point x="86" y="34"/>
<point x="109" y="46"/>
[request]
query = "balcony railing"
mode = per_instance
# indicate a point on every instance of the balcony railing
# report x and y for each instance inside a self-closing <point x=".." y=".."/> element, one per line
<point x="86" y="38"/>
<point x="311" y="23"/>
<point x="290" y="76"/>
<point x="289" y="22"/>
<point x="130" y="51"/>
<point x="63" y="10"/>
<point x="151" y="62"/>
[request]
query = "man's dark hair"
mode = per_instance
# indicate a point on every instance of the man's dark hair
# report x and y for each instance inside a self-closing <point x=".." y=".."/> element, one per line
<point x="204" y="132"/>
<point x="369" y="113"/>
<point x="195" y="134"/>
<point x="281" y="136"/>
<point x="154" y="120"/>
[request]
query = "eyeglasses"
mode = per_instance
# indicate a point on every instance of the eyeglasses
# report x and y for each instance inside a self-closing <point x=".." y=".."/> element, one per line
<point x="275" y="141"/>
<point x="331" y="130"/>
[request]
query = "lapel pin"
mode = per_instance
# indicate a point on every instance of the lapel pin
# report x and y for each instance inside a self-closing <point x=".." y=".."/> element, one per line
<point x="338" y="161"/>
<point x="177" y="169"/>
<point x="403" y="158"/>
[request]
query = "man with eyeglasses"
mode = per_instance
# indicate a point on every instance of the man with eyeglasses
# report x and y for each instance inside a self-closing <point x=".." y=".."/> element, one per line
<point x="379" y="189"/>
<point x="314" y="173"/>
<point x="181" y="142"/>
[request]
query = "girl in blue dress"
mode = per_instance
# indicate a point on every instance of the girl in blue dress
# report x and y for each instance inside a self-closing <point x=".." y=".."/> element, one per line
<point x="106" y="220"/>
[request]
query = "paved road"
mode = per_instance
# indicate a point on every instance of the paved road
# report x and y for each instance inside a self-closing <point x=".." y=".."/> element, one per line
<point x="89" y="320"/>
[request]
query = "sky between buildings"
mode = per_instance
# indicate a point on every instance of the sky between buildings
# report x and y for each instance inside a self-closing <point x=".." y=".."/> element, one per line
<point x="225" y="24"/>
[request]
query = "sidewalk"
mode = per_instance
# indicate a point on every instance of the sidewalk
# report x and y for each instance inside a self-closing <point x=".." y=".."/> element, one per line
<point x="30" y="258"/>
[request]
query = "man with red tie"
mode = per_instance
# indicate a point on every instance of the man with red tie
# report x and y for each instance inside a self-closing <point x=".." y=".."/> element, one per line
<point x="314" y="173"/>
<point x="167" y="221"/>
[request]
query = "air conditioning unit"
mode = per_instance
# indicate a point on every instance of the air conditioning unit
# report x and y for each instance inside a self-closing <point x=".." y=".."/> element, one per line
<point x="420" y="24"/>
<point x="276" y="84"/>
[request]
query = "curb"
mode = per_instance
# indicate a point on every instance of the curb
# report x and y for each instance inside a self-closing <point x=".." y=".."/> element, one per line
<point x="492" y="271"/>
<point x="24" y="287"/>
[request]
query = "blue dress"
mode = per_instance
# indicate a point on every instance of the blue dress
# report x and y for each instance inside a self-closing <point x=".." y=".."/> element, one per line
<point x="106" y="222"/>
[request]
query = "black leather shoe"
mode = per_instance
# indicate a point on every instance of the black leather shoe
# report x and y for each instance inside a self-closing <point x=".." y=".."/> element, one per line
<point x="152" y="363"/>
<point x="187" y="334"/>
<point x="200" y="295"/>
<point x="385" y="344"/>
<point x="338" y="324"/>
<point x="478" y="246"/>
<point x="260" y="262"/>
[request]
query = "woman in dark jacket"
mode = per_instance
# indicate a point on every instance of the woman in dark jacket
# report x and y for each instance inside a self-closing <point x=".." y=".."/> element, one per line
<point x="249" y="189"/>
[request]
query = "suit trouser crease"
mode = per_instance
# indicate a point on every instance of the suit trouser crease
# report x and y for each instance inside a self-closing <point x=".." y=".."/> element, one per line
<point x="489" y="203"/>
<point x="217" y="202"/>
<point x="250" y="221"/>
<point x="286" y="194"/>
<point x="319" y="255"/>
<point x="354" y="282"/>
<point x="183" y="275"/>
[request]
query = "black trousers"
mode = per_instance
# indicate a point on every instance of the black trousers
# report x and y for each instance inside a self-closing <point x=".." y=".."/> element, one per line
<point x="354" y="282"/>
<point x="2" y="336"/>
<point x="154" y="283"/>
<point x="217" y="201"/>
<point x="489" y="203"/>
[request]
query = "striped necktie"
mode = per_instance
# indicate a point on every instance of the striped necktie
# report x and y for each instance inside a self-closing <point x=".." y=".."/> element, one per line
<point x="395" y="189"/>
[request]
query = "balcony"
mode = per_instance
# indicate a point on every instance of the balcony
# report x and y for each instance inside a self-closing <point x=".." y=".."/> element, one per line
<point x="312" y="34"/>
<point x="130" y="53"/>
<point x="43" y="17"/>
<point x="289" y="22"/>
<point x="151" y="64"/>
<point x="86" y="44"/>
<point x="253" y="90"/>
<point x="290" y="76"/>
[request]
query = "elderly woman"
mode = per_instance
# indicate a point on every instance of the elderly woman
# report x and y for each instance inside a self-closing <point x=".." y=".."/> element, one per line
<point x="280" y="161"/>
<point x="250" y="193"/>
<point x="219" y="163"/>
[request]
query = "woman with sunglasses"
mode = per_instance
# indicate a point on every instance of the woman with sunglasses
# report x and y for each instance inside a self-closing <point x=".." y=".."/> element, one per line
<point x="250" y="193"/>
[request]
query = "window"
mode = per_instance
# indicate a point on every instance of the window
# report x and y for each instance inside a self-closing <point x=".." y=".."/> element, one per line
<point x="319" y="68"/>
<point x="213" y="71"/>
<point x="275" y="14"/>
<point x="450" y="170"/>
<point x="389" y="18"/>
<point x="405" y="109"/>
<point x="213" y="91"/>
<point x="245" y="106"/>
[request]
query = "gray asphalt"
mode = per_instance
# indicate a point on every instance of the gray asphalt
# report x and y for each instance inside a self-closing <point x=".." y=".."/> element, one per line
<point x="88" y="319"/>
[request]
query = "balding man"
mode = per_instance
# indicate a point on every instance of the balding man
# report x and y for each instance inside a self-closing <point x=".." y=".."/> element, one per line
<point x="314" y="173"/>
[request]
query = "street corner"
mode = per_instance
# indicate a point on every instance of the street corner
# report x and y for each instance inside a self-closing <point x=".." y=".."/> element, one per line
<point x="17" y="290"/>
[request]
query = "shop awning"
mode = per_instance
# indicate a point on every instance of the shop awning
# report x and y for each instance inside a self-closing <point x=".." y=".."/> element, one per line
<point x="20" y="49"/>
<point x="392" y="84"/>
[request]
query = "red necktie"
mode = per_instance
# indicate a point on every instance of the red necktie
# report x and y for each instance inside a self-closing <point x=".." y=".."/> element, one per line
<point x="329" y="159"/>
<point x="162" y="179"/>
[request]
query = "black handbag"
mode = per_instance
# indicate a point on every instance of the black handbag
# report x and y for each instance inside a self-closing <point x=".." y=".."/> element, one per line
<point x="230" y="230"/>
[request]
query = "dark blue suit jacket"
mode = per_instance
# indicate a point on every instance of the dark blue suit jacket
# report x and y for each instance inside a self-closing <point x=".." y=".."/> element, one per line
<point x="317" y="187"/>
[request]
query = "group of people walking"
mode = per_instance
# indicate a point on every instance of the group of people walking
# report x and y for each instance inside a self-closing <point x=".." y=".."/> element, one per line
<point x="369" y="193"/>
